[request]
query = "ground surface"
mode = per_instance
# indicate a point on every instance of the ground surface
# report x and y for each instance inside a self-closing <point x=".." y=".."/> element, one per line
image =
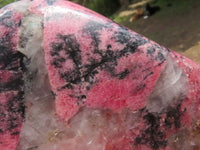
<point x="176" y="25"/>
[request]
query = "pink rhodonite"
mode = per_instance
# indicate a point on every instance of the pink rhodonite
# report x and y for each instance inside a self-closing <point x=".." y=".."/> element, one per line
<point x="71" y="79"/>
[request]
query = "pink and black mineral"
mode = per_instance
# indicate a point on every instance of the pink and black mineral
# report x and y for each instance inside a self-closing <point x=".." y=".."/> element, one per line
<point x="71" y="79"/>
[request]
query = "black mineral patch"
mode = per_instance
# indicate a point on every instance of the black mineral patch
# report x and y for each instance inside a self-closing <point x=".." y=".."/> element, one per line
<point x="158" y="124"/>
<point x="15" y="104"/>
<point x="6" y="20"/>
<point x="57" y="47"/>
<point x="147" y="75"/>
<point x="72" y="76"/>
<point x="83" y="97"/>
<point x="1" y="130"/>
<point x="151" y="51"/>
<point x="13" y="112"/>
<point x="9" y="58"/>
<point x="93" y="29"/>
<point x="160" y="56"/>
<point x="15" y="133"/>
<point x="109" y="46"/>
<point x="131" y="41"/>
<point x="140" y="87"/>
<point x="23" y="41"/>
<point x="152" y="135"/>
<point x="72" y="49"/>
<point x="58" y="62"/>
<point x="12" y="84"/>
<point x="173" y="117"/>
<point x="123" y="74"/>
<point x="20" y="23"/>
<point x="5" y="50"/>
<point x="122" y="36"/>
<point x="70" y="46"/>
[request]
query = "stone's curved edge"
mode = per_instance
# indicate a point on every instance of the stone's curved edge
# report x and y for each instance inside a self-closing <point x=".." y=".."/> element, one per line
<point x="45" y="7"/>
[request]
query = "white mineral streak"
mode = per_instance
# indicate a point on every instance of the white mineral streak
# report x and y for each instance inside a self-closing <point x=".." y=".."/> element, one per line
<point x="170" y="86"/>
<point x="31" y="35"/>
<point x="30" y="43"/>
<point x="90" y="129"/>
<point x="21" y="6"/>
<point x="40" y="110"/>
<point x="40" y="124"/>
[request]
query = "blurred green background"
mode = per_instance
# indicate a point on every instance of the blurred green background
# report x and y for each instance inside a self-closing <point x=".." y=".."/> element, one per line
<point x="5" y="2"/>
<point x="175" y="25"/>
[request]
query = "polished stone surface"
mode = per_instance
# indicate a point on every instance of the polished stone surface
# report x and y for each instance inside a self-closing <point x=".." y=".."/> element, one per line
<point x="90" y="84"/>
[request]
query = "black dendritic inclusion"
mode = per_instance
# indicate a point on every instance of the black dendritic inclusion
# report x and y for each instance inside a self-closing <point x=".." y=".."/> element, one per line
<point x="160" y="55"/>
<point x="93" y="29"/>
<point x="70" y="46"/>
<point x="6" y="54"/>
<point x="10" y="58"/>
<point x="108" y="57"/>
<point x="16" y="108"/>
<point x="132" y="41"/>
<point x="153" y="136"/>
<point x="13" y="112"/>
<point x="173" y="117"/>
<point x="15" y="105"/>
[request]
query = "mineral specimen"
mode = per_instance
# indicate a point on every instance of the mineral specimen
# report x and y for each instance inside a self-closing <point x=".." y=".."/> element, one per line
<point x="71" y="79"/>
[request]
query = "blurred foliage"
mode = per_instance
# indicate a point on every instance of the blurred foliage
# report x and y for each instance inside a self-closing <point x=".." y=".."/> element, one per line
<point x="104" y="7"/>
<point x="109" y="7"/>
<point x="5" y="2"/>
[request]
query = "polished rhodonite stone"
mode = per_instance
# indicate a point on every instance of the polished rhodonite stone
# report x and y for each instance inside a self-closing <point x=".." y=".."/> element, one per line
<point x="71" y="79"/>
